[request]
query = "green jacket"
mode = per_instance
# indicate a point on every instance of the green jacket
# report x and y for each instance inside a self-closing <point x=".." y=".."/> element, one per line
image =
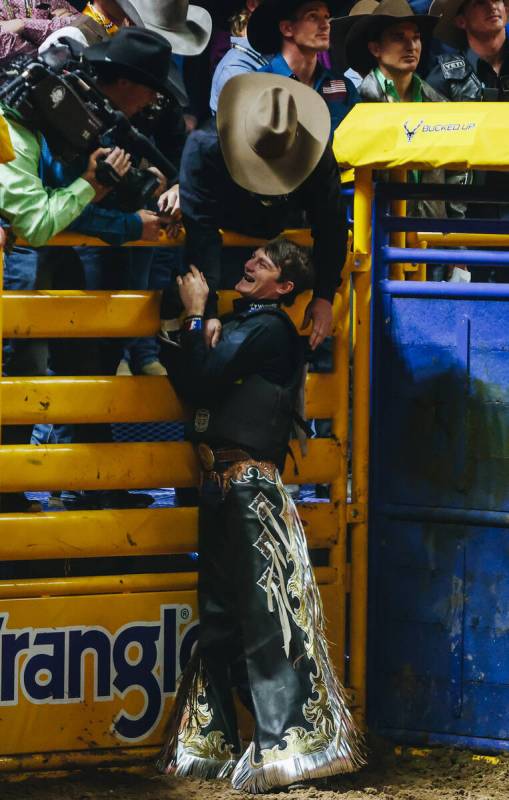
<point x="36" y="212"/>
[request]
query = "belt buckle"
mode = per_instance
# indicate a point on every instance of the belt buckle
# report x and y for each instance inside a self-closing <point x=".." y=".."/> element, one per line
<point x="206" y="456"/>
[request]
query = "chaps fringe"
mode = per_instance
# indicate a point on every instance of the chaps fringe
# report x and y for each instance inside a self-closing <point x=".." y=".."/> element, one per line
<point x="185" y="703"/>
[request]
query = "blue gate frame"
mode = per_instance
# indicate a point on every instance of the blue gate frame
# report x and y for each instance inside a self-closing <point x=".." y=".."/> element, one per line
<point x="439" y="538"/>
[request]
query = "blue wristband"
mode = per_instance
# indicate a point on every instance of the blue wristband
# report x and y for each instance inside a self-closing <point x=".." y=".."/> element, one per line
<point x="193" y="324"/>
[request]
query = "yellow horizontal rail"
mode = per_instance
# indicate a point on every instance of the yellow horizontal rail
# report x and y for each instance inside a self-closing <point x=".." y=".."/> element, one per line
<point x="300" y="236"/>
<point x="458" y="239"/>
<point x="133" y="532"/>
<point x="110" y="399"/>
<point x="74" y="314"/>
<point x="76" y="759"/>
<point x="118" y="584"/>
<point x="135" y="466"/>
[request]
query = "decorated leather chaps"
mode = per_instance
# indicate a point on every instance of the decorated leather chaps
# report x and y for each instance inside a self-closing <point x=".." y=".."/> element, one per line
<point x="262" y="635"/>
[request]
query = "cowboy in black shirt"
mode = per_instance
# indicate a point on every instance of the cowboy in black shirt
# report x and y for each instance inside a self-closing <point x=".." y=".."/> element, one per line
<point x="261" y="626"/>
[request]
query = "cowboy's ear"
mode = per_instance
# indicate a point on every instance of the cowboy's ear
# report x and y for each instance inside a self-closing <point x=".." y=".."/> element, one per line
<point x="285" y="287"/>
<point x="286" y="28"/>
<point x="374" y="49"/>
<point x="460" y="22"/>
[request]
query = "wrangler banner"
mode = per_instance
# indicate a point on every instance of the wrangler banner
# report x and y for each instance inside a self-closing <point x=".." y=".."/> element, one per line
<point x="90" y="672"/>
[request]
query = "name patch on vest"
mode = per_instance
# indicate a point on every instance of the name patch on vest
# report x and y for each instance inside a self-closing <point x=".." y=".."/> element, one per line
<point x="454" y="69"/>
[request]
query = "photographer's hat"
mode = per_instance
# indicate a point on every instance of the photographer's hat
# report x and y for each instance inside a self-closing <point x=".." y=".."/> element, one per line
<point x="141" y="56"/>
<point x="272" y="130"/>
<point x="186" y="27"/>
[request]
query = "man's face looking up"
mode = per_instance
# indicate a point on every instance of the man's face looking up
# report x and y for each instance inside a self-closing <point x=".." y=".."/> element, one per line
<point x="310" y="27"/>
<point x="482" y="19"/>
<point x="398" y="49"/>
<point x="261" y="279"/>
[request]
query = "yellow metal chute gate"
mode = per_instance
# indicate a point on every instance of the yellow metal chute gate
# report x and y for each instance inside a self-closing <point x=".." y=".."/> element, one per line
<point x="89" y="664"/>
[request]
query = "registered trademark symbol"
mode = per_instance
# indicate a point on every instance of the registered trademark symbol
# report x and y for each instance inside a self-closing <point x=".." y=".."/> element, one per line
<point x="184" y="613"/>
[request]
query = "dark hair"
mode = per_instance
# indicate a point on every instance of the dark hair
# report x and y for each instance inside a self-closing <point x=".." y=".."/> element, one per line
<point x="295" y="265"/>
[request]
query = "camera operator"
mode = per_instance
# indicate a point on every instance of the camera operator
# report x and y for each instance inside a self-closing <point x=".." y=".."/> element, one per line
<point x="130" y="67"/>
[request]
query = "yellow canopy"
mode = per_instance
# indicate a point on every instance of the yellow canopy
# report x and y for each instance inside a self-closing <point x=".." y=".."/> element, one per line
<point x="6" y="151"/>
<point x="424" y="136"/>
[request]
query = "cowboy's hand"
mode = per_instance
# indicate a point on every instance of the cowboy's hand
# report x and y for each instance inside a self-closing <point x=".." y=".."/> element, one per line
<point x="169" y="202"/>
<point x="60" y="12"/>
<point x="193" y="291"/>
<point x="319" y="312"/>
<point x="169" y="206"/>
<point x="163" y="182"/>
<point x="151" y="225"/>
<point x="212" y="332"/>
<point x="13" y="26"/>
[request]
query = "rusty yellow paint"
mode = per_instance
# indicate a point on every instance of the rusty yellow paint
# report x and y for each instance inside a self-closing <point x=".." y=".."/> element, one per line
<point x="432" y="239"/>
<point x="486" y="759"/>
<point x="117" y="584"/>
<point x="363" y="198"/>
<point x="300" y="236"/>
<point x="126" y="399"/>
<point x="135" y="466"/>
<point x="76" y="314"/>
<point x="133" y="532"/>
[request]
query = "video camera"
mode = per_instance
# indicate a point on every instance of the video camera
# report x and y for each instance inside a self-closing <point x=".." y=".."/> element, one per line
<point x="55" y="93"/>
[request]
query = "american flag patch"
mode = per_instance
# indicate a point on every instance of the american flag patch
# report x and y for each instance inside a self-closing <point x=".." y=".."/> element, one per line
<point x="334" y="90"/>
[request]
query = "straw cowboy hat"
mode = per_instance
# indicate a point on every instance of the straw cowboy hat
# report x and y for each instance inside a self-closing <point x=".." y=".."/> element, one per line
<point x="446" y="29"/>
<point x="144" y="57"/>
<point x="186" y="27"/>
<point x="367" y="27"/>
<point x="272" y="130"/>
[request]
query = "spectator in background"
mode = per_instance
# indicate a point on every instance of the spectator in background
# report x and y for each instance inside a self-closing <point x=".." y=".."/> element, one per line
<point x="477" y="70"/>
<point x="112" y="15"/>
<point x="297" y="32"/>
<point x="188" y="29"/>
<point x="385" y="47"/>
<point x="240" y="58"/>
<point x="25" y="24"/>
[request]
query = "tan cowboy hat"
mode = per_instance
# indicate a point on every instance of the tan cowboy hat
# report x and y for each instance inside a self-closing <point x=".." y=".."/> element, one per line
<point x="187" y="27"/>
<point x="446" y="29"/>
<point x="367" y="26"/>
<point x="340" y="26"/>
<point x="272" y="130"/>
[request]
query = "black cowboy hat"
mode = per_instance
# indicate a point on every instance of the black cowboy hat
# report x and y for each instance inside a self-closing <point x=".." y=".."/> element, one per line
<point x="263" y="26"/>
<point x="360" y="29"/>
<point x="142" y="56"/>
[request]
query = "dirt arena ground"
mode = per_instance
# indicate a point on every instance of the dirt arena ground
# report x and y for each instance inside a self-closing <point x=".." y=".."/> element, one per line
<point x="435" y="775"/>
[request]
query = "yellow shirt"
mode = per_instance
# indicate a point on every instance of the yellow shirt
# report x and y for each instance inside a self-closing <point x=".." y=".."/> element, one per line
<point x="109" y="26"/>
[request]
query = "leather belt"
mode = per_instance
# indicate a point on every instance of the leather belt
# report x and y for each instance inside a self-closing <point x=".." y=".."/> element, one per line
<point x="211" y="459"/>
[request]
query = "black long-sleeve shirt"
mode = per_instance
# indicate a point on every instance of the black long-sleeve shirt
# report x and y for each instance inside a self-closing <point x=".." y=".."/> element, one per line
<point x="211" y="200"/>
<point x="252" y="343"/>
